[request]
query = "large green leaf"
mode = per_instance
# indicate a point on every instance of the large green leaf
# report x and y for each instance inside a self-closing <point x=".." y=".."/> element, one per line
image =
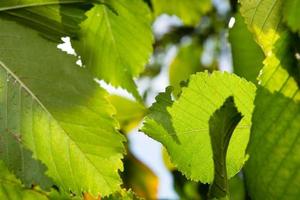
<point x="116" y="41"/>
<point x="190" y="11"/>
<point x="247" y="57"/>
<point x="272" y="171"/>
<point x="186" y="62"/>
<point x="12" y="189"/>
<point x="221" y="126"/>
<point x="58" y="112"/>
<point x="273" y="145"/>
<point x="183" y="129"/>
<point x="291" y="14"/>
<point x="280" y="72"/>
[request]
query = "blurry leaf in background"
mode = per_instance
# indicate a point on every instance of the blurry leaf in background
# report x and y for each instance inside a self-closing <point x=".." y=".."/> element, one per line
<point x="221" y="127"/>
<point x="237" y="188"/>
<point x="190" y="114"/>
<point x="186" y="62"/>
<point x="291" y="14"/>
<point x="189" y="11"/>
<point x="12" y="189"/>
<point x="187" y="189"/>
<point x="167" y="160"/>
<point x="138" y="177"/>
<point x="129" y="113"/>
<point x="116" y="42"/>
<point x="53" y="21"/>
<point x="123" y="195"/>
<point x="247" y="55"/>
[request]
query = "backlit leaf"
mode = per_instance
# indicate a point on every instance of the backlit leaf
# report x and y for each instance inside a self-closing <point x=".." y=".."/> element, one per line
<point x="116" y="41"/>
<point x="59" y="113"/>
<point x="183" y="128"/>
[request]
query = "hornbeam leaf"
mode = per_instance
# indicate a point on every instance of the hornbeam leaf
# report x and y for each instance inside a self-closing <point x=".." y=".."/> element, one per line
<point x="221" y="126"/>
<point x="264" y="18"/>
<point x="280" y="72"/>
<point x="116" y="41"/>
<point x="12" y="189"/>
<point x="272" y="172"/>
<point x="190" y="11"/>
<point x="291" y="14"/>
<point x="58" y="112"/>
<point x="247" y="58"/>
<point x="183" y="128"/>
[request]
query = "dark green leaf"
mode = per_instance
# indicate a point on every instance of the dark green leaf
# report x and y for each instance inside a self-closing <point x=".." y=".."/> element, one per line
<point x="221" y="126"/>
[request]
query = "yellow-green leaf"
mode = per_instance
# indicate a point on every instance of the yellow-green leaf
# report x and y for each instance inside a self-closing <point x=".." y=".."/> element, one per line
<point x="116" y="41"/>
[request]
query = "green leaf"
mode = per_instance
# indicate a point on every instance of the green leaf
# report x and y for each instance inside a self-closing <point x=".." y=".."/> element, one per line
<point x="247" y="57"/>
<point x="16" y="4"/>
<point x="59" y="113"/>
<point x="116" y="41"/>
<point x="272" y="171"/>
<point x="186" y="62"/>
<point x="19" y="160"/>
<point x="280" y="72"/>
<point x="54" y="19"/>
<point x="183" y="128"/>
<point x="291" y="14"/>
<point x="128" y="113"/>
<point x="221" y="126"/>
<point x="237" y="188"/>
<point x="264" y="18"/>
<point x="12" y="189"/>
<point x="189" y="11"/>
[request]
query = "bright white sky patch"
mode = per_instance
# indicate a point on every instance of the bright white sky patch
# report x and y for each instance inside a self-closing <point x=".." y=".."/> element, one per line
<point x="231" y="22"/>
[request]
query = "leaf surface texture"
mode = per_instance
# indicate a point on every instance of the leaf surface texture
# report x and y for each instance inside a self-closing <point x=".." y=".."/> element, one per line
<point x="59" y="112"/>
